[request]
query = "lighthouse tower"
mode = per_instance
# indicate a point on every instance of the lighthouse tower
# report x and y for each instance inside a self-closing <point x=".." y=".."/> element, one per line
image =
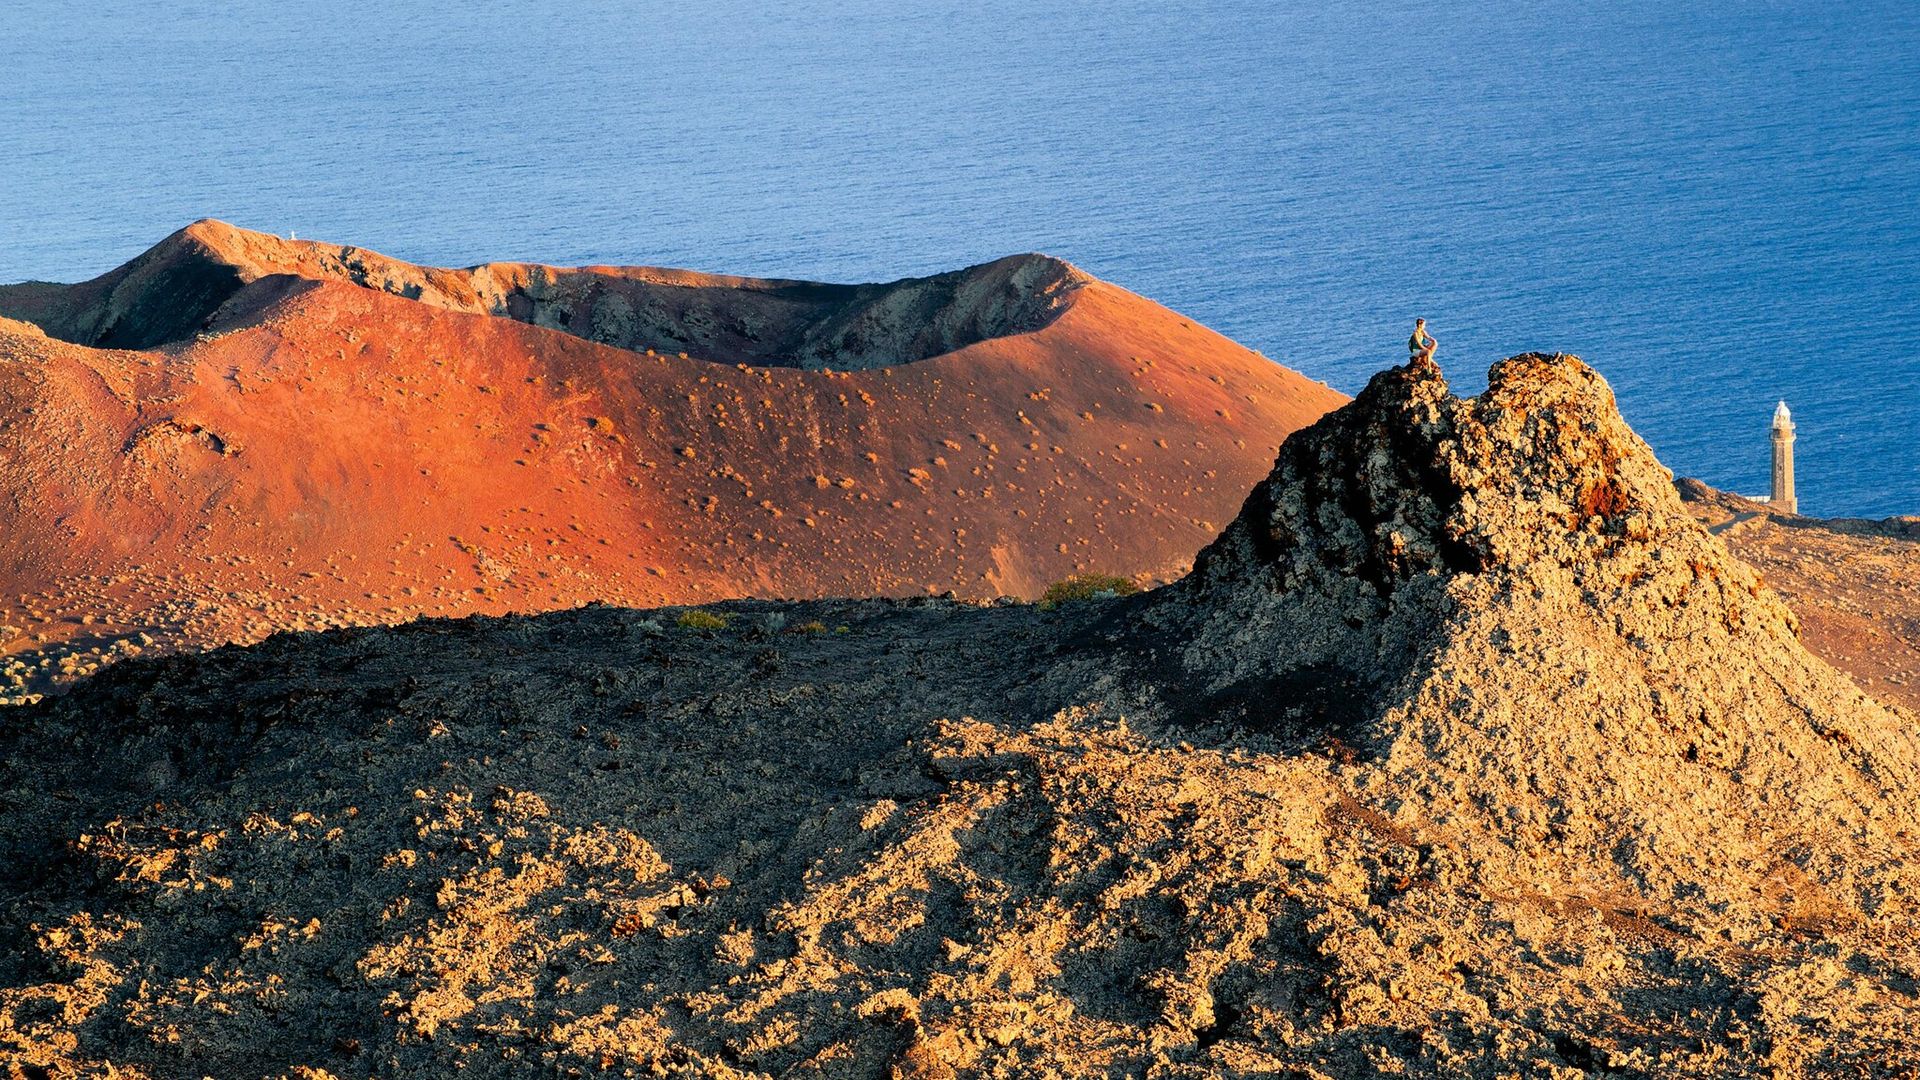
<point x="1783" y="461"/>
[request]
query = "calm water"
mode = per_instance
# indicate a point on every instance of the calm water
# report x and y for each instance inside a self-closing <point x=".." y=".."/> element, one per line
<point x="1716" y="207"/>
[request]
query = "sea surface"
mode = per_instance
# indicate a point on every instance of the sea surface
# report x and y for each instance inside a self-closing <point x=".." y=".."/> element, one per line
<point x="1717" y="204"/>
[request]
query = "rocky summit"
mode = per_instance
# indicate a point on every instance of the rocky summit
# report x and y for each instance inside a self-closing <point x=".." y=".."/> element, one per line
<point x="1465" y="750"/>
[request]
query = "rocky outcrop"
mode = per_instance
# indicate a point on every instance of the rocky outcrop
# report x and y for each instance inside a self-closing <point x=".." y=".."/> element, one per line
<point x="1532" y="632"/>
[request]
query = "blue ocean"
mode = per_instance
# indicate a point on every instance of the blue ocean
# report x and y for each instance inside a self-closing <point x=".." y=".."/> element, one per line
<point x="1717" y="204"/>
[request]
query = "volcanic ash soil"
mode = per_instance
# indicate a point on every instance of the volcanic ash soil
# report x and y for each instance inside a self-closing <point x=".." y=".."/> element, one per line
<point x="1465" y="751"/>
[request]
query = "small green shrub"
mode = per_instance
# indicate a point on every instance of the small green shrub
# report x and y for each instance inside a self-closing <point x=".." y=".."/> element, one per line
<point x="814" y="627"/>
<point x="697" y="619"/>
<point x="1087" y="587"/>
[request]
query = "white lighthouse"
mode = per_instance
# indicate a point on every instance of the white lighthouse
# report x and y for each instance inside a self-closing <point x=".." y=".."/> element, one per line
<point x="1782" y="496"/>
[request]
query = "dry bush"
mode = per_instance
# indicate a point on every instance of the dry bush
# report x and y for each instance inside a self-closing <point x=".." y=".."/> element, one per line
<point x="699" y="619"/>
<point x="1087" y="587"/>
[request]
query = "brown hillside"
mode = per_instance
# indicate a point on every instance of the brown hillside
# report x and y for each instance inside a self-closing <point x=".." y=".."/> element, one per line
<point x="316" y="453"/>
<point x="1854" y="583"/>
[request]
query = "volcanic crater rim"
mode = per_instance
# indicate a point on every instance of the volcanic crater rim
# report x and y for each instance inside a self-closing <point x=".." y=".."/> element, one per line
<point x="204" y="276"/>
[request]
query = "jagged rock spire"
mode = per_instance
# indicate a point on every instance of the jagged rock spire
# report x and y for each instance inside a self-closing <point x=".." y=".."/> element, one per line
<point x="1410" y="481"/>
<point x="1514" y="611"/>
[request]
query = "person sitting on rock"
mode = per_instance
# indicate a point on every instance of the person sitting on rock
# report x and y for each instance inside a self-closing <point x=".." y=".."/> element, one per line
<point x="1420" y="346"/>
